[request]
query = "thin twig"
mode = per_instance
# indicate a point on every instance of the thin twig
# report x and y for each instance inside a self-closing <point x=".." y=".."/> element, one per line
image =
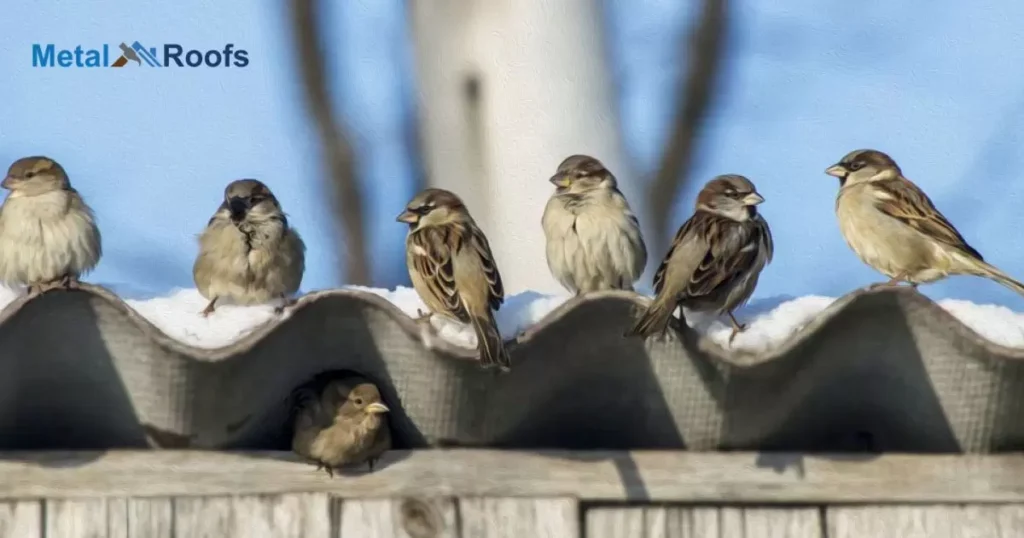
<point x="706" y="43"/>
<point x="338" y="154"/>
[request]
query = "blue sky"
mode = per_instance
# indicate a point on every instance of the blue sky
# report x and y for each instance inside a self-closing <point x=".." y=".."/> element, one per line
<point x="938" y="86"/>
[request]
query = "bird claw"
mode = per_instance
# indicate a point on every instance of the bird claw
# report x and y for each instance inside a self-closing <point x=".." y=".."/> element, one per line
<point x="209" y="308"/>
<point x="423" y="316"/>
<point x="894" y="282"/>
<point x="322" y="466"/>
<point x="371" y="462"/>
<point x="737" y="328"/>
<point x="70" y="282"/>
<point x="278" y="310"/>
<point x="735" y="331"/>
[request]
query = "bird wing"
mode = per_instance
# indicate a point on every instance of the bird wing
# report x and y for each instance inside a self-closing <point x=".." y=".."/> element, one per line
<point x="764" y="234"/>
<point x="729" y="250"/>
<point x="438" y="247"/>
<point x="433" y="247"/>
<point x="293" y="256"/>
<point x="904" y="201"/>
<point x="495" y="289"/>
<point x="221" y="212"/>
<point x="683" y="254"/>
<point x="308" y="418"/>
<point x="728" y="257"/>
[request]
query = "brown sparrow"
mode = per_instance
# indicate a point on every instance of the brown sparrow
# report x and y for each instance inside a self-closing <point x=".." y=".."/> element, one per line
<point x="341" y="425"/>
<point x="715" y="258"/>
<point x="248" y="253"/>
<point x="593" y="238"/>
<point x="452" y="269"/>
<point x="48" y="235"/>
<point x="893" y="226"/>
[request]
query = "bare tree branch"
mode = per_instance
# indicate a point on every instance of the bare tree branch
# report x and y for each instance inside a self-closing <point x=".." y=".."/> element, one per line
<point x="706" y="43"/>
<point x="338" y="154"/>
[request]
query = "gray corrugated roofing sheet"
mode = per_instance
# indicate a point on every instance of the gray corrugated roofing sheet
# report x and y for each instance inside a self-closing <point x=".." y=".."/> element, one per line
<point x="878" y="370"/>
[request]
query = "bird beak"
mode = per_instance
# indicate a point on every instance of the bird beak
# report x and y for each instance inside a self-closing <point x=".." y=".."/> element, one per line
<point x="836" y="170"/>
<point x="752" y="199"/>
<point x="407" y="217"/>
<point x="560" y="180"/>
<point x="238" y="207"/>
<point x="7" y="182"/>
<point x="377" y="407"/>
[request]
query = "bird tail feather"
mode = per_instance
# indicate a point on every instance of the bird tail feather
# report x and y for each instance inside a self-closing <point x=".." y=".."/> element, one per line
<point x="489" y="342"/>
<point x="987" y="270"/>
<point x="654" y="320"/>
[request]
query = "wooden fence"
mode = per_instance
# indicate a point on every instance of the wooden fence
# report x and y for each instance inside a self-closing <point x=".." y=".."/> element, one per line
<point x="491" y="494"/>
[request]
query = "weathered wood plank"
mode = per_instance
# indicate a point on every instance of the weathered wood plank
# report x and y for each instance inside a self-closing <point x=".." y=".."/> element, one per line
<point x="703" y="522"/>
<point x="21" y="519"/>
<point x="771" y="523"/>
<point x="637" y="522"/>
<point x="291" y="516"/>
<point x="692" y="522"/>
<point x="399" y="518"/>
<point x="278" y="516"/>
<point x="607" y="523"/>
<point x="152" y="518"/>
<point x="615" y="523"/>
<point x="117" y="518"/>
<point x="76" y="518"/>
<point x="515" y="518"/>
<point x="651" y="476"/>
<point x="203" y="517"/>
<point x="949" y="521"/>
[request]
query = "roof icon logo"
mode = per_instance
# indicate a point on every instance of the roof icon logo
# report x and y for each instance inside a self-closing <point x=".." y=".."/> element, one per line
<point x="138" y="54"/>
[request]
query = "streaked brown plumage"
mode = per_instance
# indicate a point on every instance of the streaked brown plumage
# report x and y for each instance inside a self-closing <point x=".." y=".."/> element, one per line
<point x="453" y="270"/>
<point x="248" y="253"/>
<point x="342" y="424"/>
<point x="593" y="237"/>
<point x="48" y="235"/>
<point x="892" y="225"/>
<point x="716" y="256"/>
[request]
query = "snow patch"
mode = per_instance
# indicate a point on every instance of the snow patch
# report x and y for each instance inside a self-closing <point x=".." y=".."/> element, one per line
<point x="177" y="314"/>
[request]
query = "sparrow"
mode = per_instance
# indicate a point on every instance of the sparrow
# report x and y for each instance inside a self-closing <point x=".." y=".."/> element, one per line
<point x="593" y="237"/>
<point x="340" y="425"/>
<point x="248" y="253"/>
<point x="48" y="235"/>
<point x="452" y="268"/>
<point x="895" y="228"/>
<point x="715" y="258"/>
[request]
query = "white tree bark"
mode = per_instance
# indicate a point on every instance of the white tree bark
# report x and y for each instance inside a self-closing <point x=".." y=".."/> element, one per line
<point x="509" y="88"/>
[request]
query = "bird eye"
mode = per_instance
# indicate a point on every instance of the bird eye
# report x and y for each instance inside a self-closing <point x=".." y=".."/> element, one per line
<point x="856" y="165"/>
<point x="30" y="174"/>
<point x="359" y="401"/>
<point x="730" y="192"/>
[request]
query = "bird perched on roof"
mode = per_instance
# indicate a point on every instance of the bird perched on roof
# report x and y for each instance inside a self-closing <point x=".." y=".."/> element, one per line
<point x="48" y="235"/>
<point x="342" y="424"/>
<point x="715" y="258"/>
<point x="892" y="225"/>
<point x="593" y="237"/>
<point x="248" y="253"/>
<point x="452" y="268"/>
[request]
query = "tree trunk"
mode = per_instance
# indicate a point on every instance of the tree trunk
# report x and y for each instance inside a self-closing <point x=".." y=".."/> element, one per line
<point x="509" y="88"/>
